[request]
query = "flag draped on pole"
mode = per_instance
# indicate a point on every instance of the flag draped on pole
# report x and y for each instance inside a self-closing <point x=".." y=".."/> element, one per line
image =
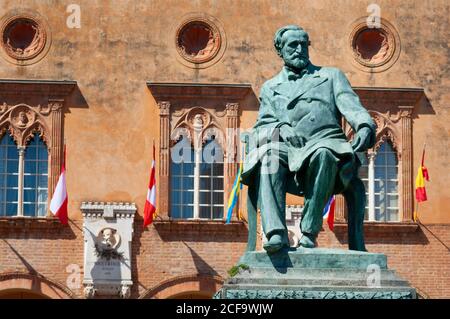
<point x="58" y="204"/>
<point x="237" y="186"/>
<point x="422" y="175"/>
<point x="150" y="202"/>
<point x="328" y="212"/>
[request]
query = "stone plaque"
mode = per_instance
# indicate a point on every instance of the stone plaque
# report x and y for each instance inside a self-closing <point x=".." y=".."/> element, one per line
<point x="108" y="232"/>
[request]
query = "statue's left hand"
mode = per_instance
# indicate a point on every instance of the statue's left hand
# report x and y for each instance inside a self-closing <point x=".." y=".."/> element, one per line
<point x="362" y="140"/>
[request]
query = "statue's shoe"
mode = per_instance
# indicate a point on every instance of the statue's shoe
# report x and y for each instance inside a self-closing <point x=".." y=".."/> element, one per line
<point x="307" y="241"/>
<point x="274" y="244"/>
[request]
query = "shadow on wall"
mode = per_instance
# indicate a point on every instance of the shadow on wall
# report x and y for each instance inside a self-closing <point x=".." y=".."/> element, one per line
<point x="32" y="280"/>
<point x="195" y="231"/>
<point x="390" y="236"/>
<point x="201" y="265"/>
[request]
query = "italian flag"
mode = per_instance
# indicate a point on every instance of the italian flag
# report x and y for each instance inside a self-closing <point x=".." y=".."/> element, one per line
<point x="150" y="202"/>
<point x="58" y="205"/>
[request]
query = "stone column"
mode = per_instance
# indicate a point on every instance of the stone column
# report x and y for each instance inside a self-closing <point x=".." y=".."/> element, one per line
<point x="198" y="143"/>
<point x="164" y="159"/>
<point x="20" y="181"/>
<point x="340" y="209"/>
<point x="56" y="149"/>
<point x="232" y="151"/>
<point x="407" y="163"/>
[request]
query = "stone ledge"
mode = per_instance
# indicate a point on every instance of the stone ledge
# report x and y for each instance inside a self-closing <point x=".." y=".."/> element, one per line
<point x="24" y="223"/>
<point x="198" y="225"/>
<point x="380" y="227"/>
<point x="314" y="258"/>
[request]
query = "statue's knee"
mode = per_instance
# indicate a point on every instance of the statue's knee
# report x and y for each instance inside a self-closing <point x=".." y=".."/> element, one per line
<point x="323" y="155"/>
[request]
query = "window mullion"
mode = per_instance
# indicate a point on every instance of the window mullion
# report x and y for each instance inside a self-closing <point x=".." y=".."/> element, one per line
<point x="371" y="185"/>
<point x="198" y="154"/>
<point x="21" y="150"/>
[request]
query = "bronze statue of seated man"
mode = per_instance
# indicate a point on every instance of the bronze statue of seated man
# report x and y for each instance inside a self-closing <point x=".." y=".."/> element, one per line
<point x="298" y="146"/>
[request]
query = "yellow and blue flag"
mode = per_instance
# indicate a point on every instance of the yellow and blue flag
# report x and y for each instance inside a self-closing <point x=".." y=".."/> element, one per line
<point x="237" y="186"/>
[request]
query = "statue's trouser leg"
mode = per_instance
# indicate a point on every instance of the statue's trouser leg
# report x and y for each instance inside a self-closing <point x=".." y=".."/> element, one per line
<point x="355" y="196"/>
<point x="252" y="207"/>
<point x="319" y="184"/>
<point x="272" y="193"/>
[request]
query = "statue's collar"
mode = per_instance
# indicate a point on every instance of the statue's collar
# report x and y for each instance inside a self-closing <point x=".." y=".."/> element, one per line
<point x="294" y="74"/>
<point x="282" y="84"/>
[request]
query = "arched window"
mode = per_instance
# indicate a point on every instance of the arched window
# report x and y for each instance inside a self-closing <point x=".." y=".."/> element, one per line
<point x="380" y="176"/>
<point x="9" y="176"/>
<point x="182" y="180"/>
<point x="23" y="178"/>
<point x="211" y="181"/>
<point x="35" y="186"/>
<point x="196" y="180"/>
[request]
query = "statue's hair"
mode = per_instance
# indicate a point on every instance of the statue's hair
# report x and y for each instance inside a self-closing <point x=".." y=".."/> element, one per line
<point x="279" y="36"/>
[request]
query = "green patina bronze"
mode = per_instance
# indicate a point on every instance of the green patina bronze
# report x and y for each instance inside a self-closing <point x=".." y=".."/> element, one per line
<point x="298" y="146"/>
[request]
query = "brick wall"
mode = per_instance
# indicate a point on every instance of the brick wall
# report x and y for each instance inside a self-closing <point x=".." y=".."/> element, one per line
<point x="172" y="250"/>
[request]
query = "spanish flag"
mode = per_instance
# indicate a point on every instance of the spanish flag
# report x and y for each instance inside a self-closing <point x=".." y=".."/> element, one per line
<point x="422" y="175"/>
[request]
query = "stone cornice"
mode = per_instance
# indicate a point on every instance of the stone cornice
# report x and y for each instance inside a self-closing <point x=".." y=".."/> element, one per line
<point x="399" y="96"/>
<point x="199" y="91"/>
<point x="108" y="210"/>
<point x="49" y="88"/>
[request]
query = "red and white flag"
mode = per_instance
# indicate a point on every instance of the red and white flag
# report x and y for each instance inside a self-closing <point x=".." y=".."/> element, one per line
<point x="58" y="205"/>
<point x="328" y="212"/>
<point x="150" y="202"/>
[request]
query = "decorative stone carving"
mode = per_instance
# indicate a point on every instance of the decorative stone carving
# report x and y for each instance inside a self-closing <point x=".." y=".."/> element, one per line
<point x="311" y="294"/>
<point x="22" y="121"/>
<point x="199" y="119"/>
<point x="374" y="49"/>
<point x="199" y="40"/>
<point x="108" y="232"/>
<point x="25" y="37"/>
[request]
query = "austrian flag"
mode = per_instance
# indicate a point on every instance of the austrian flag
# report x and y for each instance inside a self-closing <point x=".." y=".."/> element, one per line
<point x="150" y="202"/>
<point x="58" y="205"/>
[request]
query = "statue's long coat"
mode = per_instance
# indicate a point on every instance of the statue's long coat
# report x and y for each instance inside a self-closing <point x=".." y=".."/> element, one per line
<point x="313" y="107"/>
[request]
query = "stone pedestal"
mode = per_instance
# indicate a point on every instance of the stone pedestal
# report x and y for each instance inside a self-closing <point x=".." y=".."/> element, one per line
<point x="108" y="232"/>
<point x="315" y="274"/>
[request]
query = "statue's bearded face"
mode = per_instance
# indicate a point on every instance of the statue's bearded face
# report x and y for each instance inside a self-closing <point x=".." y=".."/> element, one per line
<point x="295" y="49"/>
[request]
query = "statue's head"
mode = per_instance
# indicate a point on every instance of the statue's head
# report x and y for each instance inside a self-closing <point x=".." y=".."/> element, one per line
<point x="291" y="43"/>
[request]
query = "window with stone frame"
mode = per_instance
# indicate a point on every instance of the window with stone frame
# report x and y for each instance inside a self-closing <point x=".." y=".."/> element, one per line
<point x="31" y="144"/>
<point x="197" y="167"/>
<point x="380" y="176"/>
<point x="205" y="119"/>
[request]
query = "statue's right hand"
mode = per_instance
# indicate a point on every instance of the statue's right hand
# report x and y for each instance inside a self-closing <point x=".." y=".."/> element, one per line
<point x="288" y="134"/>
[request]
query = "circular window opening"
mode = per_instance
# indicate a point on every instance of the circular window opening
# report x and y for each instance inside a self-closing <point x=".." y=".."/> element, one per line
<point x="23" y="38"/>
<point x="371" y="45"/>
<point x="198" y="41"/>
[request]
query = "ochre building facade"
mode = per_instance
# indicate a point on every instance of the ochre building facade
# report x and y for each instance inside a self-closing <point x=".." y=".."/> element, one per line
<point x="110" y="78"/>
